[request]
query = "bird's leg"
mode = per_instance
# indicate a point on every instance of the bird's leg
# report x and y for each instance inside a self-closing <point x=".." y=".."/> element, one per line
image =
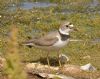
<point x="58" y="53"/>
<point x="40" y="54"/>
<point x="48" y="59"/>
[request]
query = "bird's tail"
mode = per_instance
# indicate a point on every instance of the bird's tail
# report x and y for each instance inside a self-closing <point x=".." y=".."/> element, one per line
<point x="28" y="43"/>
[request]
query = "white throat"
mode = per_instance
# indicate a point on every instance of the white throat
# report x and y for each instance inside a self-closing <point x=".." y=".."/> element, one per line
<point x="62" y="32"/>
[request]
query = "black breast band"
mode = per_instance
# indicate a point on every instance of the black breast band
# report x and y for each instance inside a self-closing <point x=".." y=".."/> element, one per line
<point x="64" y="37"/>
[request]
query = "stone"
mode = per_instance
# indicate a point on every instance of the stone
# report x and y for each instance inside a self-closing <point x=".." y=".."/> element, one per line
<point x="88" y="67"/>
<point x="63" y="58"/>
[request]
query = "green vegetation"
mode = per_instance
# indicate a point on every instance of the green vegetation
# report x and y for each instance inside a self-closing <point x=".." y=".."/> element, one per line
<point x="39" y="21"/>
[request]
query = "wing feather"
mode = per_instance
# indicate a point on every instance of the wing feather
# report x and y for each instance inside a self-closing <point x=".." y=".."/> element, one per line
<point x="46" y="41"/>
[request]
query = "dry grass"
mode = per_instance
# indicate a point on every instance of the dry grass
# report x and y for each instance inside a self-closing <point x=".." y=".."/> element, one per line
<point x="13" y="67"/>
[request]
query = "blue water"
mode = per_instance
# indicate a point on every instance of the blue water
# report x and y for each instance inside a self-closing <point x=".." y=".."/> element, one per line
<point x="94" y="3"/>
<point x="30" y="5"/>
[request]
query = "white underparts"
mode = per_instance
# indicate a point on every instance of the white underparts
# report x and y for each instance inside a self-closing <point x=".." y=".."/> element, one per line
<point x="60" y="43"/>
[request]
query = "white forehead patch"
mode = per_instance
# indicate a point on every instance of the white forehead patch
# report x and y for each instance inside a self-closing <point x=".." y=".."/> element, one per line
<point x="71" y="25"/>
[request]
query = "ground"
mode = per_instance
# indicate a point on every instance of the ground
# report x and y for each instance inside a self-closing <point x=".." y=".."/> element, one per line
<point x="38" y="21"/>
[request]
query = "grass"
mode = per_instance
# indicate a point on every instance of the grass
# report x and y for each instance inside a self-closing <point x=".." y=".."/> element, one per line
<point x="32" y="22"/>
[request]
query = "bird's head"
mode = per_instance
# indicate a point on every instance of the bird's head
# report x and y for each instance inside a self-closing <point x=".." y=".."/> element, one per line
<point x="66" y="28"/>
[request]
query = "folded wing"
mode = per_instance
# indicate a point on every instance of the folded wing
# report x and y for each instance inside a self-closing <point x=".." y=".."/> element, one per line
<point x="45" y="41"/>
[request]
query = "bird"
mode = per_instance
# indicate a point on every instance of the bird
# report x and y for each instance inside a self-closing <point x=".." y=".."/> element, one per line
<point x="53" y="41"/>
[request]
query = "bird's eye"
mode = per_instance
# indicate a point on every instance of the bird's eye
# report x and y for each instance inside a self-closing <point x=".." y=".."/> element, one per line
<point x="67" y="26"/>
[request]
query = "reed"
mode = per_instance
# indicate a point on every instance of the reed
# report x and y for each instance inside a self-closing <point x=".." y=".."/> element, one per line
<point x="13" y="67"/>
